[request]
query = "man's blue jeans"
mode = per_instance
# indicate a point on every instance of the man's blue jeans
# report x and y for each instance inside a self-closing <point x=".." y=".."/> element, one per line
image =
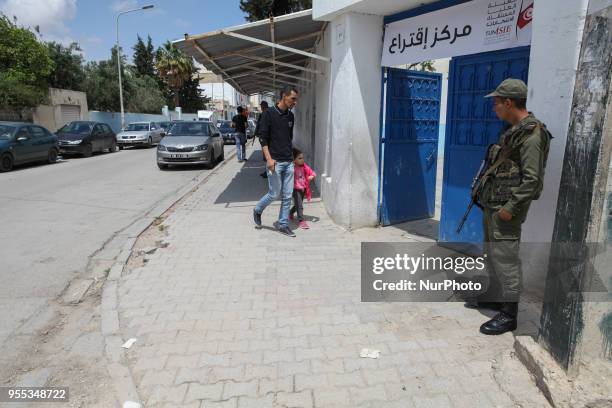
<point x="240" y="148"/>
<point x="280" y="184"/>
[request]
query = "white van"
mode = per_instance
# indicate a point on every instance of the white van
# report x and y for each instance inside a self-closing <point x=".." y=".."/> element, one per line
<point x="207" y="115"/>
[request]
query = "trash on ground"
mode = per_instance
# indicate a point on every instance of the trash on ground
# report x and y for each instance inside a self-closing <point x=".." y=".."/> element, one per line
<point x="129" y="344"/>
<point x="369" y="353"/>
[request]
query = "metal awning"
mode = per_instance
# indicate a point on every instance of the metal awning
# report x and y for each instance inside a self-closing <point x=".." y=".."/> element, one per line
<point x="261" y="56"/>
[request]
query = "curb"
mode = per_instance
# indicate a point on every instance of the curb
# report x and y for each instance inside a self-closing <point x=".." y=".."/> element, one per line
<point x="120" y="374"/>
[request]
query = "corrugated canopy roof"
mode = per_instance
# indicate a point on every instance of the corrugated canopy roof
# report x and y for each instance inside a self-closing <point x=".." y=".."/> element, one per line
<point x="260" y="56"/>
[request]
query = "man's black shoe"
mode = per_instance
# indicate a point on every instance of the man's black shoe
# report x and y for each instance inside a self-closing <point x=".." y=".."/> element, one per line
<point x="257" y="218"/>
<point x="503" y="322"/>
<point x="287" y="231"/>
<point x="474" y="304"/>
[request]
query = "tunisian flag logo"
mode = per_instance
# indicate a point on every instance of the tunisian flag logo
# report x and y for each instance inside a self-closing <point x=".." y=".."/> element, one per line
<point x="525" y="17"/>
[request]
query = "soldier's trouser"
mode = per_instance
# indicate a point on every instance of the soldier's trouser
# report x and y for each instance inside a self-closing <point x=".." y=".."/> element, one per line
<point x="501" y="245"/>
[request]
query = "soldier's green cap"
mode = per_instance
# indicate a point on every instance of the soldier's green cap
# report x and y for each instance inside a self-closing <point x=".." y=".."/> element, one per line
<point x="510" y="88"/>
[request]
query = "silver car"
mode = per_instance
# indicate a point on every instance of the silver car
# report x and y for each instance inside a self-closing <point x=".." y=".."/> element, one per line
<point x="140" y="134"/>
<point x="190" y="143"/>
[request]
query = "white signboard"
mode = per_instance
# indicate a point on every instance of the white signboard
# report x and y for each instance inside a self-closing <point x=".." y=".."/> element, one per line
<point x="468" y="28"/>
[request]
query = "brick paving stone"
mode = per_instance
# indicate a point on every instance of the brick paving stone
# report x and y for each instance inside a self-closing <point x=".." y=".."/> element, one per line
<point x="258" y="402"/>
<point x="331" y="397"/>
<point x="360" y="395"/>
<point x="292" y="368"/>
<point x="237" y="389"/>
<point x="327" y="366"/>
<point x="300" y="399"/>
<point x="310" y="381"/>
<point x="202" y="392"/>
<point x="437" y="401"/>
<point x="191" y="375"/>
<point x="231" y="403"/>
<point x="273" y="386"/>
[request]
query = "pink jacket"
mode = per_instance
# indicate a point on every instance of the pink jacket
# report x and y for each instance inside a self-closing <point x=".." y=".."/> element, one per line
<point x="307" y="173"/>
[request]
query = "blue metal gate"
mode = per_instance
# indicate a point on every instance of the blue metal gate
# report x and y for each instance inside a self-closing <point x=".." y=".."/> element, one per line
<point x="471" y="125"/>
<point x="410" y="145"/>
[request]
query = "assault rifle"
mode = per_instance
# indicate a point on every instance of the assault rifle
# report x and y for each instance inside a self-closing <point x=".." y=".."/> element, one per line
<point x="475" y="188"/>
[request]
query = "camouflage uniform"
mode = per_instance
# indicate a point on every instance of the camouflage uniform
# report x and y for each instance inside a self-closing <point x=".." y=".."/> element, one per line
<point x="516" y="182"/>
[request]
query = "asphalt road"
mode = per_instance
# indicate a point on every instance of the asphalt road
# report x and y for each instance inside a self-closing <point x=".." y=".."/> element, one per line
<point x="53" y="217"/>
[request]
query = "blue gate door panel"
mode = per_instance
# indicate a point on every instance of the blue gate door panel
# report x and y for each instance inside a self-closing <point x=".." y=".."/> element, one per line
<point x="410" y="145"/>
<point x="471" y="125"/>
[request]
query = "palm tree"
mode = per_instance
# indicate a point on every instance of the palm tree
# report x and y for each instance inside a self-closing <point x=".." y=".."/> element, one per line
<point x="174" y="68"/>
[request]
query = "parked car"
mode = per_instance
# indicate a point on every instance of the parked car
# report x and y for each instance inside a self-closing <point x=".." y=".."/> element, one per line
<point x="165" y="126"/>
<point x="140" y="134"/>
<point x="24" y="142"/>
<point x="85" y="138"/>
<point x="227" y="131"/>
<point x="191" y="143"/>
<point x="250" y="131"/>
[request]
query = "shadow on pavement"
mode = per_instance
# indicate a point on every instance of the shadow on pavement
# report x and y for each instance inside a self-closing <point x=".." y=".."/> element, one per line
<point x="428" y="228"/>
<point x="247" y="185"/>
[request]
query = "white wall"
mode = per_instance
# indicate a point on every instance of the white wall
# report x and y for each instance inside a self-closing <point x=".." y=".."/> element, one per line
<point x="555" y="47"/>
<point x="346" y="128"/>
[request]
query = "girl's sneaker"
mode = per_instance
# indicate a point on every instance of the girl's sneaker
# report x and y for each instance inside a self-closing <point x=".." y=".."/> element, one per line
<point x="303" y="225"/>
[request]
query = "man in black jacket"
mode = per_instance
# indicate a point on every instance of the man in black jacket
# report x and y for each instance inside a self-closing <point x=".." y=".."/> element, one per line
<point x="276" y="136"/>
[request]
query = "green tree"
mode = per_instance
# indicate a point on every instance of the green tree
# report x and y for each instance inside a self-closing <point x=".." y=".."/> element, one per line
<point x="191" y="96"/>
<point x="24" y="67"/>
<point x="261" y="9"/>
<point x="427" y="66"/>
<point x="102" y="83"/>
<point x="174" y="68"/>
<point x="144" y="57"/>
<point x="144" y="95"/>
<point x="67" y="70"/>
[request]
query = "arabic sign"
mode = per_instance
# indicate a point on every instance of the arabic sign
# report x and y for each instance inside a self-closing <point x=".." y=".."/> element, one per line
<point x="468" y="28"/>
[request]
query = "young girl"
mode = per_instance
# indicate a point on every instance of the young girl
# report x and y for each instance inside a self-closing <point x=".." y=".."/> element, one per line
<point x="302" y="176"/>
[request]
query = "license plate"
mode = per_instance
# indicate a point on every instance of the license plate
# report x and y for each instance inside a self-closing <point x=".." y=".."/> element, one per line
<point x="178" y="156"/>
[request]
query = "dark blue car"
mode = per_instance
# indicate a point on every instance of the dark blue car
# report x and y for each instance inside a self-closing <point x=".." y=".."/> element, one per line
<point x="24" y="143"/>
<point x="227" y="131"/>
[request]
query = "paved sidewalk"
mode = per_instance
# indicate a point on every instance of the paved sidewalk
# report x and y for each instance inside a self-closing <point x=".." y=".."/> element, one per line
<point x="230" y="316"/>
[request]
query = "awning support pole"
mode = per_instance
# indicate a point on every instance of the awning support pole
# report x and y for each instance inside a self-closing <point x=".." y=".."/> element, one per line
<point x="273" y="45"/>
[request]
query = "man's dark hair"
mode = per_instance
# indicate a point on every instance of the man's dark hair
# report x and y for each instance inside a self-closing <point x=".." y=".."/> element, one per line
<point x="264" y="104"/>
<point x="296" y="152"/>
<point x="240" y="109"/>
<point x="520" y="103"/>
<point x="287" y="91"/>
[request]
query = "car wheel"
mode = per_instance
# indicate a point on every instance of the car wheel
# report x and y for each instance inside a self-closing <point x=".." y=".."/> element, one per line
<point x="162" y="166"/>
<point x="211" y="160"/>
<point x="6" y="162"/>
<point x="52" y="156"/>
<point x="121" y="147"/>
<point x="87" y="150"/>
<point x="222" y="155"/>
<point x="150" y="143"/>
<point x="113" y="147"/>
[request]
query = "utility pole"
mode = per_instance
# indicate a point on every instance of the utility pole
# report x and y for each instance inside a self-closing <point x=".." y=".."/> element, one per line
<point x="147" y="7"/>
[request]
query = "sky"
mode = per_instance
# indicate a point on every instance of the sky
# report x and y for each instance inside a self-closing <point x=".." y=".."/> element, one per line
<point x="91" y="23"/>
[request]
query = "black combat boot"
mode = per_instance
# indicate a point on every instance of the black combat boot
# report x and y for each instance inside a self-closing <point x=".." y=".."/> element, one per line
<point x="503" y="322"/>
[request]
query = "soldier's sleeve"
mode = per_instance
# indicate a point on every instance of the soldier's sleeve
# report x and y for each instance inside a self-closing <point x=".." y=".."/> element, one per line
<point x="532" y="158"/>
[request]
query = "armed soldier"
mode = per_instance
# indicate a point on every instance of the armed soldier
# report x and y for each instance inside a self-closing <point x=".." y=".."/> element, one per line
<point x="513" y="178"/>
